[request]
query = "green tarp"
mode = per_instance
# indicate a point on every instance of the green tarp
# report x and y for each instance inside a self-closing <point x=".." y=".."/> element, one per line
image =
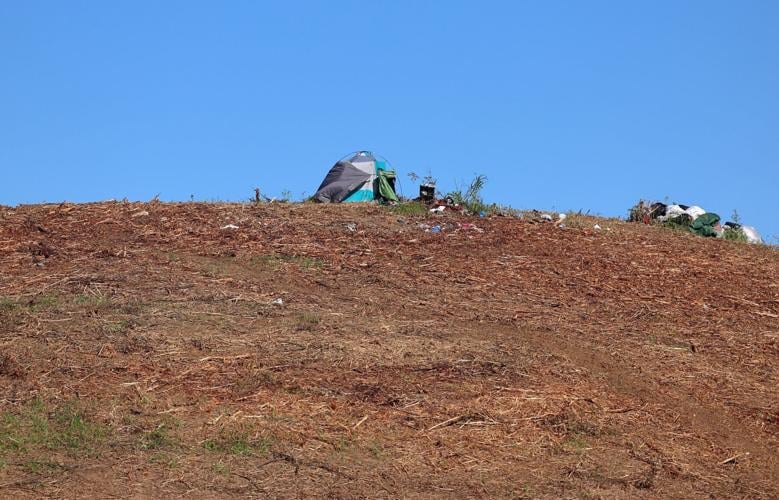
<point x="385" y="181"/>
<point x="704" y="225"/>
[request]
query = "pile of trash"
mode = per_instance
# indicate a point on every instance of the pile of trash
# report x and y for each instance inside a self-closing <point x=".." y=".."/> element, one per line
<point x="438" y="206"/>
<point x="467" y="203"/>
<point x="692" y="218"/>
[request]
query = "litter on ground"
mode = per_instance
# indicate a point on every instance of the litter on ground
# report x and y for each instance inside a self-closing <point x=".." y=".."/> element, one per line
<point x="692" y="218"/>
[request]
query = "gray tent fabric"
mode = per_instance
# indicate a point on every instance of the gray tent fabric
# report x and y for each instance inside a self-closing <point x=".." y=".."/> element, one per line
<point x="343" y="179"/>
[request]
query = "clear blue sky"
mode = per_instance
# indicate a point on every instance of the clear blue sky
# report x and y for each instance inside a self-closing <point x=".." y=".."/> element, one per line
<point x="562" y="104"/>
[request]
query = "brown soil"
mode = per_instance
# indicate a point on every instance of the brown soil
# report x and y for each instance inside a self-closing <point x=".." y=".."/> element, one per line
<point x="510" y="359"/>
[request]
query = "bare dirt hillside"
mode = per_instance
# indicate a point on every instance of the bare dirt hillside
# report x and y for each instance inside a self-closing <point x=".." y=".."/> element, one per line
<point x="343" y="351"/>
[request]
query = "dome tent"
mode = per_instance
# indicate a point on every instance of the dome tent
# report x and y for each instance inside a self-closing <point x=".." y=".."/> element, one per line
<point x="361" y="177"/>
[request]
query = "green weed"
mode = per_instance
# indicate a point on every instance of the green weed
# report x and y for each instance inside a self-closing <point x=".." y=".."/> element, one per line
<point x="8" y="304"/>
<point x="732" y="234"/>
<point x="158" y="438"/>
<point x="471" y="198"/>
<point x="311" y="263"/>
<point x="220" y="468"/>
<point x="680" y="223"/>
<point x="37" y="427"/>
<point x="409" y="209"/>
<point x="43" y="302"/>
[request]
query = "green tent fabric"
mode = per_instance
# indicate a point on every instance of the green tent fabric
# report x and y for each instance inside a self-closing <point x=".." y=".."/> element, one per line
<point x="704" y="225"/>
<point x="385" y="181"/>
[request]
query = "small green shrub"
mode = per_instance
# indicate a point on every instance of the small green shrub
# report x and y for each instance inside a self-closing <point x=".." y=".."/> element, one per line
<point x="735" y="234"/>
<point x="732" y="234"/>
<point x="471" y="199"/>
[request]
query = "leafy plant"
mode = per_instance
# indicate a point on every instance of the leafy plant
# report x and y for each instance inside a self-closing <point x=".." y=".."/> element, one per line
<point x="638" y="211"/>
<point x="428" y="179"/>
<point x="471" y="198"/>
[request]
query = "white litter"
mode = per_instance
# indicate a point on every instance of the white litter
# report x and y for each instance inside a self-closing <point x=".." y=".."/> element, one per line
<point x="142" y="213"/>
<point x="671" y="211"/>
<point x="596" y="226"/>
<point x="547" y="217"/>
<point x="437" y="210"/>
<point x="278" y="302"/>
<point x="752" y="235"/>
<point x="229" y="226"/>
<point x="695" y="212"/>
<point x="351" y="227"/>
